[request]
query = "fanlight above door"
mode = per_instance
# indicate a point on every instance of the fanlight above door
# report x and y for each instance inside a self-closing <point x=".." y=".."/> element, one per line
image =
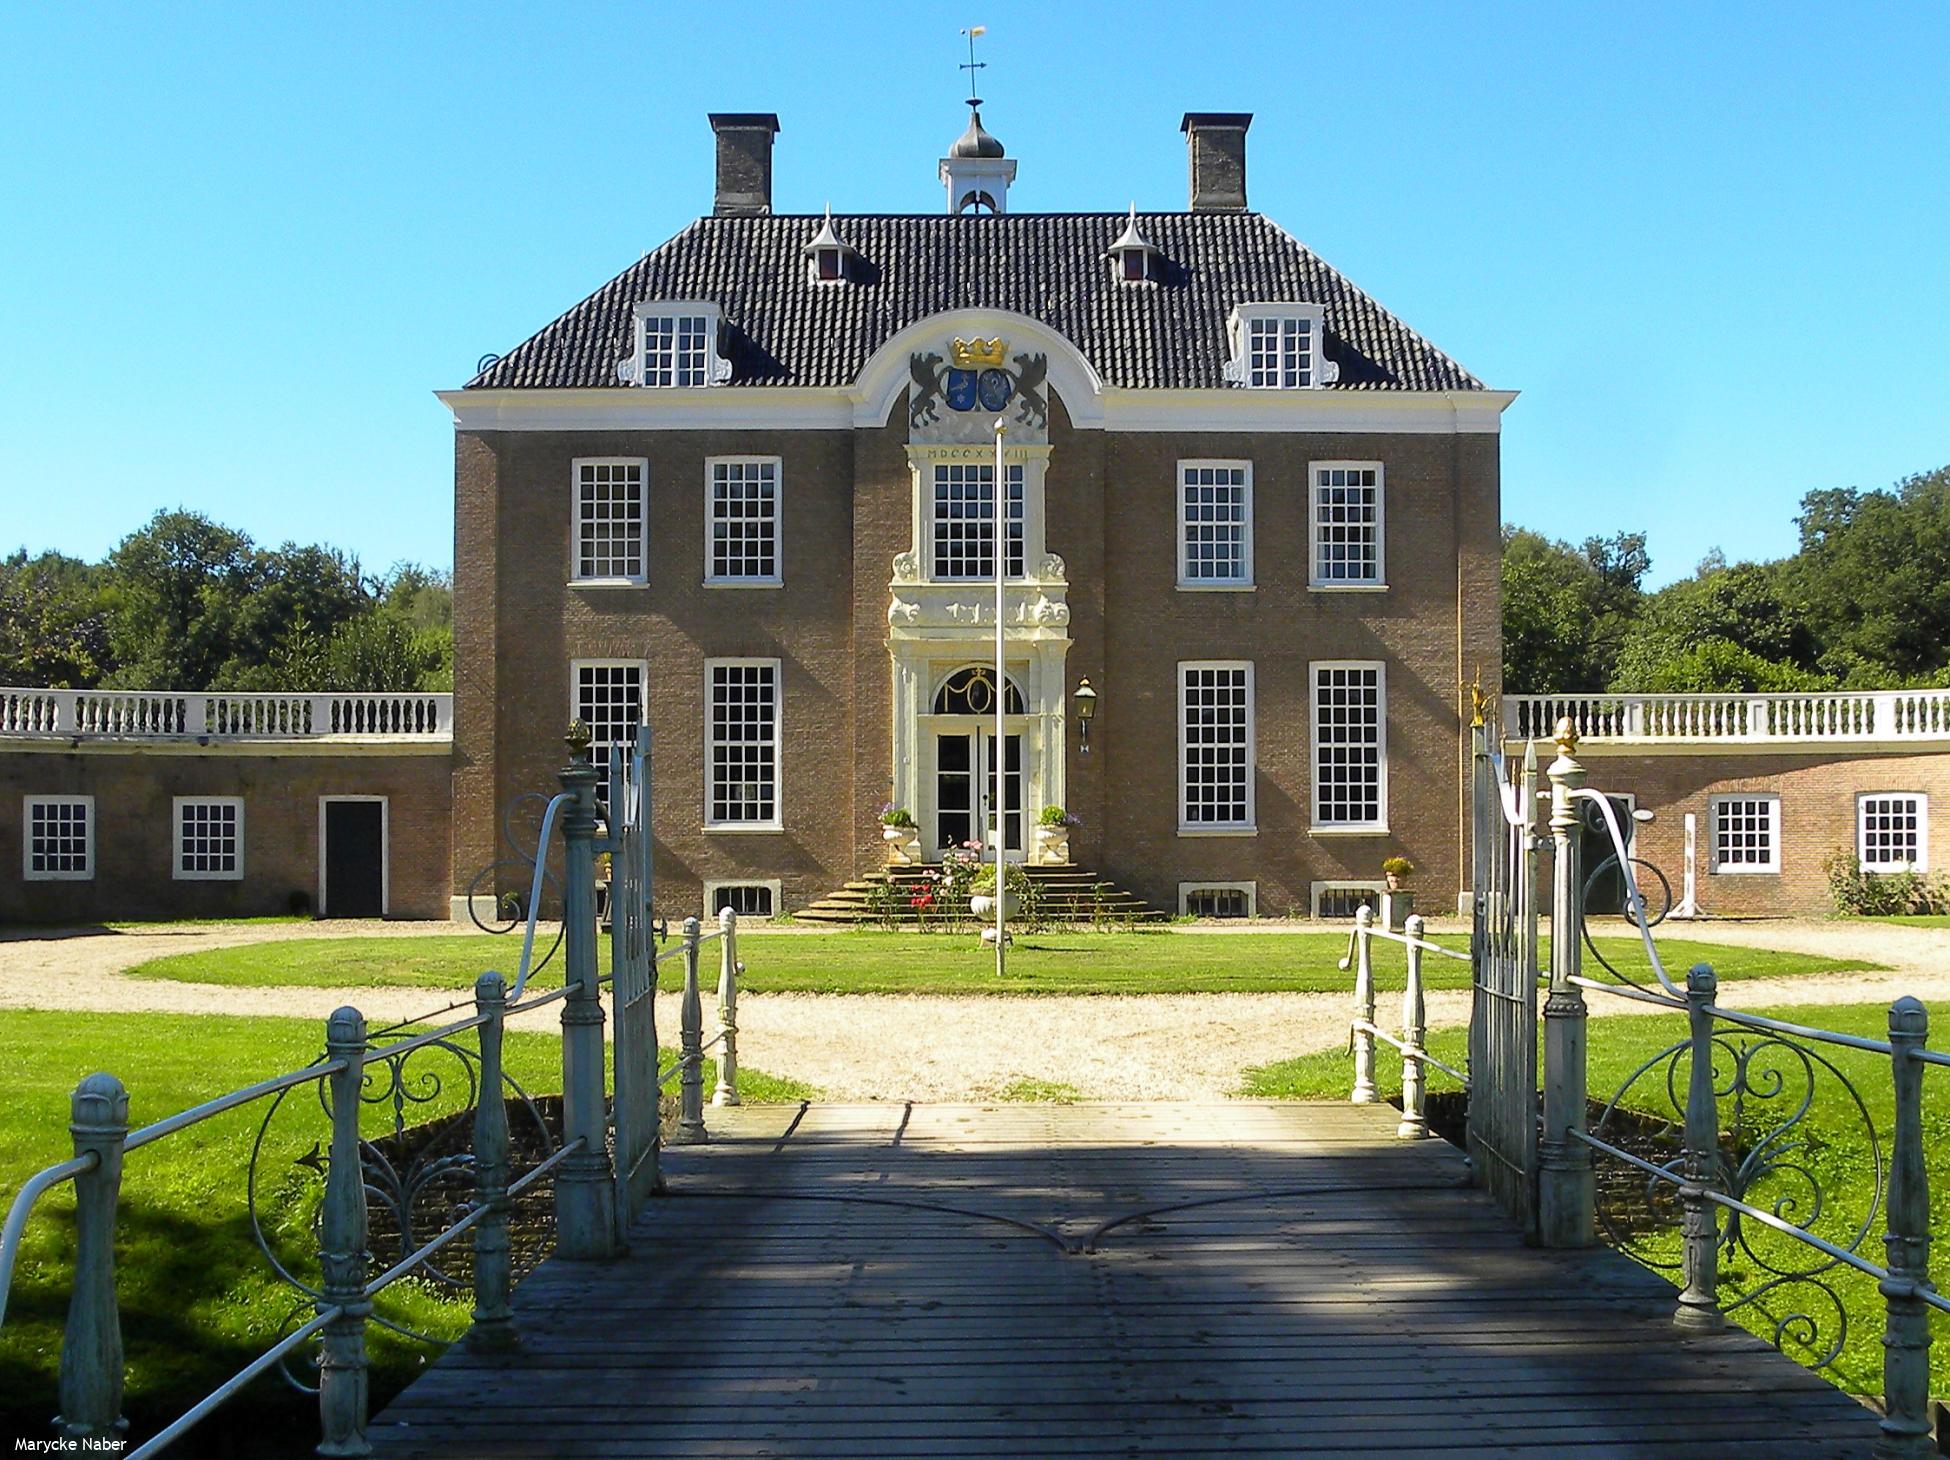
<point x="971" y="691"/>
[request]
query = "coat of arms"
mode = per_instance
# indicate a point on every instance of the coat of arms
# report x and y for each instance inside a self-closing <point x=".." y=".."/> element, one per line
<point x="977" y="379"/>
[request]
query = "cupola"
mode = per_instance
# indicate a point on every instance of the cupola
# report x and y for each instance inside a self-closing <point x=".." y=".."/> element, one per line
<point x="1135" y="259"/>
<point x="829" y="258"/>
<point x="976" y="171"/>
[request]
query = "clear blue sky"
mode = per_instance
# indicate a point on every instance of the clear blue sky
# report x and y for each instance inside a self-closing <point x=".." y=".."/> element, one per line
<point x="241" y="246"/>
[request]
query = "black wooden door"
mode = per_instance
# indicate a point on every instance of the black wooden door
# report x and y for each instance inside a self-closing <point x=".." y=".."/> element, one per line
<point x="355" y="859"/>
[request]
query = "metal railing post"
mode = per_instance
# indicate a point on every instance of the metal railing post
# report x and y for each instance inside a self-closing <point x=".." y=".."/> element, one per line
<point x="91" y="1346"/>
<point x="727" y="1091"/>
<point x="1566" y="1185"/>
<point x="494" y="1325"/>
<point x="585" y="1197"/>
<point x="1364" y="1092"/>
<point x="342" y="1399"/>
<point x="690" y="1093"/>
<point x="1699" y="1305"/>
<point x="1415" y="1121"/>
<point x="1906" y="1328"/>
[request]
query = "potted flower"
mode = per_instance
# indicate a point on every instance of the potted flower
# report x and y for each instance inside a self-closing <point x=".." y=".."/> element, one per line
<point x="902" y="836"/>
<point x="1397" y="902"/>
<point x="982" y="889"/>
<point x="1051" y="844"/>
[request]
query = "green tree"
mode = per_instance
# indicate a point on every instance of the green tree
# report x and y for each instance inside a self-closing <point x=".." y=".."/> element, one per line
<point x="53" y="622"/>
<point x="1566" y="610"/>
<point x="381" y="651"/>
<point x="178" y="586"/>
<point x="1726" y="630"/>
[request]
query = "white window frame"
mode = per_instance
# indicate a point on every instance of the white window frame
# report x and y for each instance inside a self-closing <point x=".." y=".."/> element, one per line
<point x="1243" y="583"/>
<point x="1342" y="884"/>
<point x="1714" y="803"/>
<point x="1186" y="889"/>
<point x="1377" y="584"/>
<point x="576" y="666"/>
<point x="578" y="524"/>
<point x="1922" y="862"/>
<point x="27" y="805"/>
<point x="1250" y="826"/>
<point x="177" y="806"/>
<point x="1239" y="369"/>
<point x="636" y="370"/>
<point x="1347" y="828"/>
<point x="775" y="885"/>
<point x="931" y="520"/>
<point x="777" y="821"/>
<point x="713" y="579"/>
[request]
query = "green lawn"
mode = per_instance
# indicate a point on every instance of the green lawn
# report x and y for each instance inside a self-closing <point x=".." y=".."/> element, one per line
<point x="1833" y="1146"/>
<point x="198" y="1300"/>
<point x="872" y="962"/>
<point x="1910" y="920"/>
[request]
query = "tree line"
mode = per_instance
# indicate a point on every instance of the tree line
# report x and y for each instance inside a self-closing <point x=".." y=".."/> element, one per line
<point x="185" y="603"/>
<point x="1863" y="603"/>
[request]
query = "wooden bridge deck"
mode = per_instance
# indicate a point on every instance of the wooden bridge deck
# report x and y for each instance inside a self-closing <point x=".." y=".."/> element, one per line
<point x="1152" y="1279"/>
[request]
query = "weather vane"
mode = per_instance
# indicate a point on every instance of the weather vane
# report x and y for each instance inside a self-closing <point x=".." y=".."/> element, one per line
<point x="971" y="65"/>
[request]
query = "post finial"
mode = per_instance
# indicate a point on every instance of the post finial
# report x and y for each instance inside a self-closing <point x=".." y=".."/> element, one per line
<point x="1476" y="701"/>
<point x="1565" y="733"/>
<point x="579" y="738"/>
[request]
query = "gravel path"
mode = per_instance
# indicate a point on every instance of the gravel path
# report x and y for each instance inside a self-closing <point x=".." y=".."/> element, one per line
<point x="925" y="1047"/>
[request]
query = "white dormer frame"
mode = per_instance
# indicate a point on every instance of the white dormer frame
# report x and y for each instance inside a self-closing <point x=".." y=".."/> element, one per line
<point x="1132" y="241"/>
<point x="826" y="245"/>
<point x="716" y="369"/>
<point x="1318" y="371"/>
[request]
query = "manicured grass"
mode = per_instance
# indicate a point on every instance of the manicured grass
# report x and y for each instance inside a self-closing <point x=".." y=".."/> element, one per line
<point x="1910" y="920"/>
<point x="198" y="1300"/>
<point x="1039" y="1092"/>
<point x="1833" y="1144"/>
<point x="871" y="962"/>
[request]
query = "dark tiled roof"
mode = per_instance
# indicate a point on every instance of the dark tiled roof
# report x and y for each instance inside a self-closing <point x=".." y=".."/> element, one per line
<point x="783" y="329"/>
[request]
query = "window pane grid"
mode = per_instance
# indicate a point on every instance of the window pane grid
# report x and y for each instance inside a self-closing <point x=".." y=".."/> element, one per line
<point x="1214" y="507"/>
<point x="609" y="700"/>
<point x="1347" y="746"/>
<point x="744" y="519"/>
<point x="964" y="521"/>
<point x="1890" y="832"/>
<point x="206" y="838"/>
<point x="675" y="349"/>
<point x="1280" y="352"/>
<point x="609" y="519"/>
<point x="1217" y="746"/>
<point x="57" y="838"/>
<point x="1746" y="833"/>
<point x="1347" y="525"/>
<point x="744" y="743"/>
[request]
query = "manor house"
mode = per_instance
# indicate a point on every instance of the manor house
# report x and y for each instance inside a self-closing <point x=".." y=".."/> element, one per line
<point x="744" y="493"/>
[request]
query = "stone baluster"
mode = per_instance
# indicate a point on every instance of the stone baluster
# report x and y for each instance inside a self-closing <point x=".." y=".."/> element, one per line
<point x="342" y="1257"/>
<point x="494" y="1324"/>
<point x="1364" y="1092"/>
<point x="690" y="1091"/>
<point x="1415" y="1121"/>
<point x="91" y="1346"/>
<point x="1699" y="1304"/>
<point x="728" y="970"/>
<point x="1906" y="1328"/>
<point x="1566" y="1185"/>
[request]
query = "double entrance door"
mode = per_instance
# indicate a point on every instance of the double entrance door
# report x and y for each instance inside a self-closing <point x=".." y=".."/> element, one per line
<point x="965" y="798"/>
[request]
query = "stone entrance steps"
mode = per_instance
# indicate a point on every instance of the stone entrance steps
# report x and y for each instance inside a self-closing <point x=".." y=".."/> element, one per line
<point x="1065" y="894"/>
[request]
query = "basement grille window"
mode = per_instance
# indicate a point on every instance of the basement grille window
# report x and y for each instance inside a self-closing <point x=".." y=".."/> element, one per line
<point x="1340" y="901"/>
<point x="747" y="899"/>
<point x="1221" y="900"/>
<point x="59" y="844"/>
<point x="209" y="839"/>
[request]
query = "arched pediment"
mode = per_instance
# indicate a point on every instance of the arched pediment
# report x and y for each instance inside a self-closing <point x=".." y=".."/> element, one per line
<point x="892" y="369"/>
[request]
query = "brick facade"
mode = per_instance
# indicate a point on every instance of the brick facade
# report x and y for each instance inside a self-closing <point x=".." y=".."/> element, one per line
<point x="847" y="506"/>
<point x="134" y="792"/>
<point x="1818" y="794"/>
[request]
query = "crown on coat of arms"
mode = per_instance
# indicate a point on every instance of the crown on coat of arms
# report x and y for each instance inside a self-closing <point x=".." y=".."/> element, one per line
<point x="977" y="353"/>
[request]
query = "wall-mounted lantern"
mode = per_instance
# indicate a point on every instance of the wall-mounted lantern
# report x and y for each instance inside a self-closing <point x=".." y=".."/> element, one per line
<point x="1086" y="703"/>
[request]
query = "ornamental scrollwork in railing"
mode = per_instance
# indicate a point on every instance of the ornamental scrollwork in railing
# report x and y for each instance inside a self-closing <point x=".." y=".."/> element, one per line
<point x="525" y="824"/>
<point x="1770" y="1156"/>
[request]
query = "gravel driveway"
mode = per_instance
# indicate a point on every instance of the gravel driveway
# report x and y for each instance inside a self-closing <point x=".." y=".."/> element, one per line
<point x="929" y="1047"/>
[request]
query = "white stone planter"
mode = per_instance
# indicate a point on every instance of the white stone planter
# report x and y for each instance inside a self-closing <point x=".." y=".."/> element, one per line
<point x="903" y="845"/>
<point x="983" y="906"/>
<point x="1050" y="846"/>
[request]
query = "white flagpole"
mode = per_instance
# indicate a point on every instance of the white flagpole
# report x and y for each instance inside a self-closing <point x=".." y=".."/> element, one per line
<point x="999" y="758"/>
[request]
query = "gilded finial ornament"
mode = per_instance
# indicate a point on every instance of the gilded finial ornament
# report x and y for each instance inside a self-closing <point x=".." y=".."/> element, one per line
<point x="579" y="737"/>
<point x="1566" y="736"/>
<point x="1477" y="701"/>
<point x="978" y="353"/>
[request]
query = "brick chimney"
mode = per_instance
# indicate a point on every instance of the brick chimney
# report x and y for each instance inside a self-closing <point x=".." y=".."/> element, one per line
<point x="1217" y="143"/>
<point x="744" y="161"/>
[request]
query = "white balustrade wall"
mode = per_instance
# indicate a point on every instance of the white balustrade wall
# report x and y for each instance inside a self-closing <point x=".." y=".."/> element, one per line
<point x="1881" y="715"/>
<point x="84" y="714"/>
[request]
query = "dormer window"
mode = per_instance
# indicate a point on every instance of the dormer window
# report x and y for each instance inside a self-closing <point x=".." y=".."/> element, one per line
<point x="1277" y="347"/>
<point x="1135" y="259"/>
<point x="828" y="255"/>
<point x="676" y="345"/>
